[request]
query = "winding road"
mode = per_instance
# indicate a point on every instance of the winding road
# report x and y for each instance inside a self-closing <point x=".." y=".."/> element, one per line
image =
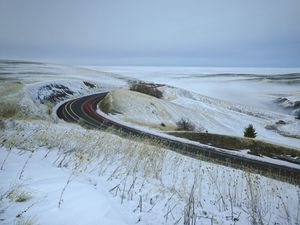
<point x="83" y="110"/>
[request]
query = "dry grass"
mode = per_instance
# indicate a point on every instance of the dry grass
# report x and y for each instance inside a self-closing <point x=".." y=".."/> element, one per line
<point x="23" y="197"/>
<point x="9" y="100"/>
<point x="236" y="143"/>
<point x="27" y="221"/>
<point x="18" y="194"/>
<point x="16" y="103"/>
<point x="9" y="109"/>
<point x="134" y="166"/>
<point x="9" y="87"/>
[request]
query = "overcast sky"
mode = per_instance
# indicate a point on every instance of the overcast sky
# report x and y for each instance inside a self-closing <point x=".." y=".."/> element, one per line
<point x="262" y="33"/>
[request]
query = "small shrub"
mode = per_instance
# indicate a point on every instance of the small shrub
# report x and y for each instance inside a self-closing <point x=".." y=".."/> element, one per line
<point x="185" y="125"/>
<point x="250" y="132"/>
<point x="145" y="88"/>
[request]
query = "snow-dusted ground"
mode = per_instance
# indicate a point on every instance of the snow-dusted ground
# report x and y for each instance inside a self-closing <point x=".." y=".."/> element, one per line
<point x="85" y="201"/>
<point x="206" y="113"/>
<point x="66" y="174"/>
<point x="256" y="87"/>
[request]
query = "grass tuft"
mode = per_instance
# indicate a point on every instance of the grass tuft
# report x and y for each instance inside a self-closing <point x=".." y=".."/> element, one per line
<point x="17" y="194"/>
<point x="23" y="197"/>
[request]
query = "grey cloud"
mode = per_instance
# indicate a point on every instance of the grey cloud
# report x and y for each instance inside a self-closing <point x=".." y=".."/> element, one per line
<point x="190" y="32"/>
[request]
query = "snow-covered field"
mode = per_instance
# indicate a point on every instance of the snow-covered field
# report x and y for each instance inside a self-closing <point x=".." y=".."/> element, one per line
<point x="222" y="115"/>
<point x="256" y="87"/>
<point x="53" y="172"/>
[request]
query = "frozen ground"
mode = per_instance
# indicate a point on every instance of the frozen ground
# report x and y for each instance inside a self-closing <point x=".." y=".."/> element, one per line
<point x="54" y="172"/>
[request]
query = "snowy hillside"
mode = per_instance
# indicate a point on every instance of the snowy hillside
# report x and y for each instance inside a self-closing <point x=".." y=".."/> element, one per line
<point x="257" y="87"/>
<point x="145" y="110"/>
<point x="54" y="172"/>
<point x="205" y="113"/>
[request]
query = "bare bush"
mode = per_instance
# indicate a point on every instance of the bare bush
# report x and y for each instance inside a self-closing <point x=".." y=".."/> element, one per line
<point x="146" y="88"/>
<point x="185" y="125"/>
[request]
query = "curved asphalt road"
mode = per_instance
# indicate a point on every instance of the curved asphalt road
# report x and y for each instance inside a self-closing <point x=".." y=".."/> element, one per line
<point x="83" y="110"/>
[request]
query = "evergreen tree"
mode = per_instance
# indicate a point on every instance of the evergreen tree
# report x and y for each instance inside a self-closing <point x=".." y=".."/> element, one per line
<point x="250" y="132"/>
